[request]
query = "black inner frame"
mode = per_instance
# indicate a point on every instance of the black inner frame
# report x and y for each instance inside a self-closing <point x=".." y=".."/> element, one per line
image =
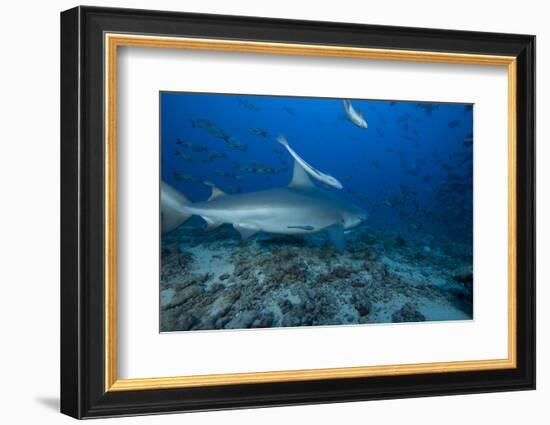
<point x="82" y="212"/>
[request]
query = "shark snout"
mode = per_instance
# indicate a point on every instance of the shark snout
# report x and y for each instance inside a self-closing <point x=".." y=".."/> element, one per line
<point x="356" y="220"/>
<point x="362" y="218"/>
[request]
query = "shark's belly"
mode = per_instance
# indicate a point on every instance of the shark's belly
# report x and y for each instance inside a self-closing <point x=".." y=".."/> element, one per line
<point x="296" y="222"/>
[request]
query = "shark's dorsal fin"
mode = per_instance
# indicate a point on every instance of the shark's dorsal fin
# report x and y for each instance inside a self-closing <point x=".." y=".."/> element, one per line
<point x="300" y="177"/>
<point x="216" y="191"/>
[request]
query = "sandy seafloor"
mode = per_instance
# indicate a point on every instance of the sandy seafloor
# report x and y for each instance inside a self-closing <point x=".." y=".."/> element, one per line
<point x="213" y="280"/>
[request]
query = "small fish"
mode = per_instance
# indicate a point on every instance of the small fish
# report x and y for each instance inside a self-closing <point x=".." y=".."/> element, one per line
<point x="248" y="105"/>
<point x="186" y="177"/>
<point x="210" y="127"/>
<point x="356" y="117"/>
<point x="202" y="123"/>
<point x="453" y="123"/>
<point x="325" y="178"/>
<point x="288" y="110"/>
<point x="198" y="148"/>
<point x="216" y="132"/>
<point x="235" y="144"/>
<point x="402" y="118"/>
<point x="427" y="107"/>
<point x="213" y="155"/>
<point x="185" y="144"/>
<point x="264" y="170"/>
<point x="259" y="132"/>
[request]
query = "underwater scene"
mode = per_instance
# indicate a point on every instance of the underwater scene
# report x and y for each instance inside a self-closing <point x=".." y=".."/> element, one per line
<point x="299" y="211"/>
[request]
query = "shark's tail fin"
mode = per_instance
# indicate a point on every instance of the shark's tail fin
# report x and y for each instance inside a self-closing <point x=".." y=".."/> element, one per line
<point x="347" y="104"/>
<point x="282" y="140"/>
<point x="173" y="207"/>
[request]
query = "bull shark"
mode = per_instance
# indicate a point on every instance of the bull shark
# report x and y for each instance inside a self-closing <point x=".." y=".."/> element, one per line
<point x="300" y="208"/>
<point x="354" y="116"/>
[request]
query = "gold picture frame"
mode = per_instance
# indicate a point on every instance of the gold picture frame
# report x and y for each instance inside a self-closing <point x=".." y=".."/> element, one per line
<point x="114" y="41"/>
<point x="91" y="39"/>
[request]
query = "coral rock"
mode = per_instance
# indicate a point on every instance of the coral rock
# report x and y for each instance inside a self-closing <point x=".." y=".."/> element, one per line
<point x="407" y="313"/>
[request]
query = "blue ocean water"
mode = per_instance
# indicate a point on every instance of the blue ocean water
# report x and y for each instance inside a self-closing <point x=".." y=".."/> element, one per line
<point x="411" y="169"/>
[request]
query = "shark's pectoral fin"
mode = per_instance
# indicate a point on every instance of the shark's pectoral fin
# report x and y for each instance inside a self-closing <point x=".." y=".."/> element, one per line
<point x="211" y="224"/>
<point x="336" y="235"/>
<point x="246" y="230"/>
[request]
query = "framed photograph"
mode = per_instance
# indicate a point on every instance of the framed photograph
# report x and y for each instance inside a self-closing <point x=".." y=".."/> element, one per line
<point x="261" y="212"/>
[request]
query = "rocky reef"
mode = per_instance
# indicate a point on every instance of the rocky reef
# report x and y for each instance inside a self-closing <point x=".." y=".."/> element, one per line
<point x="213" y="280"/>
